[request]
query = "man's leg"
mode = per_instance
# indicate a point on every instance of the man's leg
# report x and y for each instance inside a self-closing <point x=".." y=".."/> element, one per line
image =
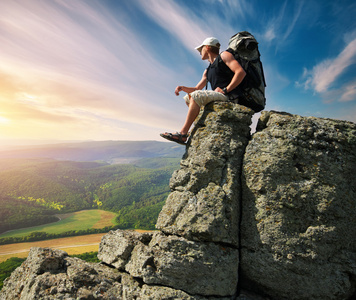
<point x="201" y="97"/>
<point x="193" y="112"/>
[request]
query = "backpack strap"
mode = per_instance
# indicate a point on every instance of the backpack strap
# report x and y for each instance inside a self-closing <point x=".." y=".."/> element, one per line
<point x="207" y="80"/>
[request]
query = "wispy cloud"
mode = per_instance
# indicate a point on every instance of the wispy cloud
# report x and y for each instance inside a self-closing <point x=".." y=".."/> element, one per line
<point x="192" y="27"/>
<point x="295" y="18"/>
<point x="276" y="29"/>
<point x="323" y="76"/>
<point x="179" y="21"/>
<point x="232" y="11"/>
<point x="349" y="93"/>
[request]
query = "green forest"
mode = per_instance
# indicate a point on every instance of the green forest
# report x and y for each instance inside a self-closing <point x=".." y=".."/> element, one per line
<point x="33" y="191"/>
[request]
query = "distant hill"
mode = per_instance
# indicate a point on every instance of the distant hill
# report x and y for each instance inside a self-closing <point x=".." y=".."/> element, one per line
<point x="33" y="190"/>
<point x="127" y="177"/>
<point x="112" y="152"/>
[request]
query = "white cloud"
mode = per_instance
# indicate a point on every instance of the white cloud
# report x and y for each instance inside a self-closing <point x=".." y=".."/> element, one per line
<point x="180" y="22"/>
<point x="294" y="19"/>
<point x="276" y="29"/>
<point x="345" y="93"/>
<point x="270" y="34"/>
<point x="324" y="75"/>
<point x="241" y="9"/>
<point x="190" y="27"/>
<point x="349" y="93"/>
<point x="328" y="71"/>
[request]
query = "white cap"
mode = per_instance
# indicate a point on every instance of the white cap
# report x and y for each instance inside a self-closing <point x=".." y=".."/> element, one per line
<point x="210" y="41"/>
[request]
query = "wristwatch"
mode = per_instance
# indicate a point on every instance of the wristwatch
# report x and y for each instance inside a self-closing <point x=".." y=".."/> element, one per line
<point x="224" y="90"/>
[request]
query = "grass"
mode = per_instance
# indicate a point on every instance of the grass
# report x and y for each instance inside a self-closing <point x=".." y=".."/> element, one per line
<point x="107" y="218"/>
<point x="71" y="245"/>
<point x="80" y="220"/>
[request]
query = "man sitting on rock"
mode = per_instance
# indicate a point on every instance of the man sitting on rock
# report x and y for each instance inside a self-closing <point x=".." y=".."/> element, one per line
<point x="224" y="74"/>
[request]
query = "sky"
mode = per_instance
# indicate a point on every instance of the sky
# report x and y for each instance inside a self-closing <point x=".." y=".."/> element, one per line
<point x="74" y="70"/>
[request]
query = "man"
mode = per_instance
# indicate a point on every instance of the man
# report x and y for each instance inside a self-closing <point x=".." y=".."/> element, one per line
<point x="224" y="74"/>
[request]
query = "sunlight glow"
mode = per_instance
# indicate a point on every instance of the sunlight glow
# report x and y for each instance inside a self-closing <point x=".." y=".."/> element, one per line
<point x="27" y="98"/>
<point x="4" y="121"/>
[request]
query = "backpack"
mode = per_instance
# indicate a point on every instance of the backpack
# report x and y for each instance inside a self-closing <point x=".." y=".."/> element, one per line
<point x="244" y="47"/>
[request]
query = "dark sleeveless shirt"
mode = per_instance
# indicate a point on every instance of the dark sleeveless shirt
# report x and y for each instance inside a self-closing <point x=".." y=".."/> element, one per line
<point x="220" y="75"/>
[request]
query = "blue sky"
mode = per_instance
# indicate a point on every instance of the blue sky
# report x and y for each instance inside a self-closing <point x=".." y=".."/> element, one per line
<point x="107" y="69"/>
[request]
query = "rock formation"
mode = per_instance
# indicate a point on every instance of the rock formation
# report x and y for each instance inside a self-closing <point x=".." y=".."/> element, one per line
<point x="196" y="249"/>
<point x="299" y="208"/>
<point x="206" y="191"/>
<point x="267" y="217"/>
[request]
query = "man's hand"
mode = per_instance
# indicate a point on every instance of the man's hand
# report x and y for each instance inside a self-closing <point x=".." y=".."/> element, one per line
<point x="219" y="90"/>
<point x="178" y="89"/>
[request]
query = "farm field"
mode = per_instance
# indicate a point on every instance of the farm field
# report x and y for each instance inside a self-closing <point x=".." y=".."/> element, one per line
<point x="71" y="245"/>
<point x="80" y="220"/>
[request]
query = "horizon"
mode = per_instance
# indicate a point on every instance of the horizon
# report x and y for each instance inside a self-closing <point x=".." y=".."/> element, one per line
<point x="11" y="144"/>
<point x="107" y="70"/>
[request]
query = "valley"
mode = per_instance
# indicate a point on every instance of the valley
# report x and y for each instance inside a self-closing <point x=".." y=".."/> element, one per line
<point x="67" y="196"/>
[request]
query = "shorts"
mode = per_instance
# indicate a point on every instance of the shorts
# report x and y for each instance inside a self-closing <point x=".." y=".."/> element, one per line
<point x="202" y="98"/>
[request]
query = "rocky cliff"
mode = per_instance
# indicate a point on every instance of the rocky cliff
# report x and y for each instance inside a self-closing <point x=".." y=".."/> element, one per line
<point x="270" y="216"/>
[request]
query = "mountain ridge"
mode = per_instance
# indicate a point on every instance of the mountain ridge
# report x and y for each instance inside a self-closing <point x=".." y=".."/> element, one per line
<point x="107" y="151"/>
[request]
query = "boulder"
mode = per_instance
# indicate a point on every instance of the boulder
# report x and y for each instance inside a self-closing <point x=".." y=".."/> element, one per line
<point x="206" y="191"/>
<point x="115" y="247"/>
<point x="52" y="275"/>
<point x="199" y="268"/>
<point x="298" y="238"/>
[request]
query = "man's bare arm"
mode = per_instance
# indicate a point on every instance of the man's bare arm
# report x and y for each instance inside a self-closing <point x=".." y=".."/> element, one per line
<point x="201" y="84"/>
<point x="239" y="72"/>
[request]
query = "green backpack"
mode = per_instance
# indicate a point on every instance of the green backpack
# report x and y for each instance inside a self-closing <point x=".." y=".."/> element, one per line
<point x="244" y="47"/>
